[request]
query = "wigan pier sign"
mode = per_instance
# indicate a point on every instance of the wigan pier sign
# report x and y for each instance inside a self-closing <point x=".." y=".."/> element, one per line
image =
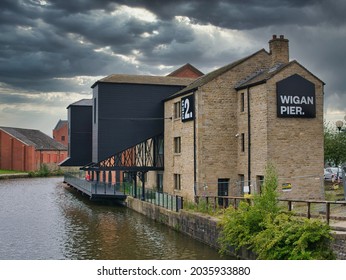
<point x="296" y="98"/>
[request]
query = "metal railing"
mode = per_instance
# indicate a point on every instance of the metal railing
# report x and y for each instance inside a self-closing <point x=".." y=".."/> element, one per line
<point x="165" y="200"/>
<point x="308" y="208"/>
<point x="94" y="187"/>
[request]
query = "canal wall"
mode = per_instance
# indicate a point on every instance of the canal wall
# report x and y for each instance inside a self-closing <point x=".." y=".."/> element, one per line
<point x="201" y="227"/>
<point x="204" y="228"/>
<point x="14" y="176"/>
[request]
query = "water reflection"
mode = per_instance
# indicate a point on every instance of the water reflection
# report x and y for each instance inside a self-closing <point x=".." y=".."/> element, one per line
<point x="42" y="219"/>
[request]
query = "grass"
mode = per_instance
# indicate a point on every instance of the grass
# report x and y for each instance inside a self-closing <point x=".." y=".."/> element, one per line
<point x="10" y="172"/>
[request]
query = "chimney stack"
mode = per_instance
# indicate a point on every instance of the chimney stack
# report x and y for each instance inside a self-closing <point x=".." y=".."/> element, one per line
<point x="278" y="48"/>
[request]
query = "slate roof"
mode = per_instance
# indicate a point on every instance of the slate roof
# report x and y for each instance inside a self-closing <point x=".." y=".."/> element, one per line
<point x="36" y="138"/>
<point x="145" y="80"/>
<point x="210" y="76"/>
<point x="82" y="102"/>
<point x="60" y="124"/>
<point x="265" y="74"/>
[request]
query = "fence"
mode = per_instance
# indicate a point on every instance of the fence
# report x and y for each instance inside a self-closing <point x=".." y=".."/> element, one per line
<point x="165" y="200"/>
<point x="309" y="208"/>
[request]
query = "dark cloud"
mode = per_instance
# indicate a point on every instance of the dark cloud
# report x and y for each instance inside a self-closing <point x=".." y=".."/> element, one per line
<point x="46" y="45"/>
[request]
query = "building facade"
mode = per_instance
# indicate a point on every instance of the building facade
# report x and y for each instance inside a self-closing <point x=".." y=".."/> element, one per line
<point x="219" y="130"/>
<point x="235" y="120"/>
<point x="79" y="133"/>
<point x="60" y="132"/>
<point x="27" y="149"/>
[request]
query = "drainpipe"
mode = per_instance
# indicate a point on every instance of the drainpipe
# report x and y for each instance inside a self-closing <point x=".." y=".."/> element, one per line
<point x="194" y="149"/>
<point x="249" y="138"/>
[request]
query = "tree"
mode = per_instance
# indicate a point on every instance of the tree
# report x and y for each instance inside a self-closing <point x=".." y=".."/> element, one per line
<point x="334" y="145"/>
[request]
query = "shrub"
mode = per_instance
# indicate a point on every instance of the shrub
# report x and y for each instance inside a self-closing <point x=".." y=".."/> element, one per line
<point x="45" y="171"/>
<point x="293" y="238"/>
<point x="270" y="234"/>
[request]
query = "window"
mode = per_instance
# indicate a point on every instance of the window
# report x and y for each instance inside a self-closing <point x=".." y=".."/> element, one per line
<point x="177" y="182"/>
<point x="259" y="183"/>
<point x="241" y="179"/>
<point x="63" y="138"/>
<point x="242" y="139"/>
<point x="177" y="145"/>
<point x="242" y="102"/>
<point x="177" y="110"/>
<point x="160" y="182"/>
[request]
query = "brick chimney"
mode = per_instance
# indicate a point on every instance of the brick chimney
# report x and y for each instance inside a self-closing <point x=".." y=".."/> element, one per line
<point x="278" y="49"/>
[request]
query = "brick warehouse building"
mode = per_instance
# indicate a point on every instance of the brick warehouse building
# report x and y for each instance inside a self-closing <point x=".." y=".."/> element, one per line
<point x="26" y="149"/>
<point x="60" y="132"/>
<point x="220" y="130"/>
<point x="260" y="109"/>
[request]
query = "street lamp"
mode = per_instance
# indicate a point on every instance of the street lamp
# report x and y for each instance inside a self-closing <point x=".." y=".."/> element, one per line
<point x="339" y="125"/>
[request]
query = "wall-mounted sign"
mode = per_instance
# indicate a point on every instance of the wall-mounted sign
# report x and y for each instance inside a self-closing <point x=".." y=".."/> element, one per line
<point x="295" y="98"/>
<point x="286" y="187"/>
<point x="187" y="108"/>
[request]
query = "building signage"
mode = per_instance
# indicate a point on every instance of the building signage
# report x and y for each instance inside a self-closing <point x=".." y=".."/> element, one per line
<point x="296" y="98"/>
<point x="187" y="108"/>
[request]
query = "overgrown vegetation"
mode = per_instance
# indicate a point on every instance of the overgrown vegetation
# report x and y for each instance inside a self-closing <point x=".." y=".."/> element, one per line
<point x="272" y="234"/>
<point x="45" y="171"/>
<point x="203" y="207"/>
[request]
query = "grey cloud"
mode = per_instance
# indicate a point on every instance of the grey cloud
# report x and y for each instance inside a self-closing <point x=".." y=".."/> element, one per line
<point x="31" y="59"/>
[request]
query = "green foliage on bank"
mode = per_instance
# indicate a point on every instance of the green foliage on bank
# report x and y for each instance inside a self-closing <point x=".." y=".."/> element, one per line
<point x="202" y="207"/>
<point x="334" y="145"/>
<point x="45" y="171"/>
<point x="272" y="234"/>
<point x="5" y="172"/>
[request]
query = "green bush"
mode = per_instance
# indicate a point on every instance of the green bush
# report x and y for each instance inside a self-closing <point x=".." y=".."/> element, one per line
<point x="45" y="171"/>
<point x="270" y="234"/>
<point x="203" y="207"/>
<point x="293" y="238"/>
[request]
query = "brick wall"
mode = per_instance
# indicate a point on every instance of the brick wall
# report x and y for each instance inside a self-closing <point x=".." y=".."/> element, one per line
<point x="178" y="163"/>
<point x="15" y="155"/>
<point x="61" y="135"/>
<point x="294" y="145"/>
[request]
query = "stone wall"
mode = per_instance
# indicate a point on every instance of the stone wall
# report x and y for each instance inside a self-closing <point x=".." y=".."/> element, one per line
<point x="205" y="228"/>
<point x="198" y="226"/>
<point x="339" y="245"/>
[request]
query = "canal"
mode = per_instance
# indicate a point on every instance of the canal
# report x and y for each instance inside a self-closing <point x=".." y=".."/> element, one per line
<point x="41" y="218"/>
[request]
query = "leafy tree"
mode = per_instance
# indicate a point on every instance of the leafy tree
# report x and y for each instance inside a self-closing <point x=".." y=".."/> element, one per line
<point x="334" y="145"/>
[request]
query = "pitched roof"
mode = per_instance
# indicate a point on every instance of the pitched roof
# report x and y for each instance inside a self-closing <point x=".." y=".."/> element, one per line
<point x="82" y="102"/>
<point x="60" y="124"/>
<point x="144" y="79"/>
<point x="265" y="74"/>
<point x="183" y="69"/>
<point x="211" y="76"/>
<point x="32" y="137"/>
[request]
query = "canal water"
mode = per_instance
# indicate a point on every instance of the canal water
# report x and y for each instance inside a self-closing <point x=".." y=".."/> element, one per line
<point x="41" y="218"/>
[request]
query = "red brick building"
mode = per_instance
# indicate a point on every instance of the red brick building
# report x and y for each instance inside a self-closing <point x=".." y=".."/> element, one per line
<point x="60" y="132"/>
<point x="26" y="149"/>
<point x="186" y="71"/>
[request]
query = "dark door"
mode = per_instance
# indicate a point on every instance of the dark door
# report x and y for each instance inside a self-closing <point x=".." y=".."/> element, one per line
<point x="222" y="190"/>
<point x="159" y="182"/>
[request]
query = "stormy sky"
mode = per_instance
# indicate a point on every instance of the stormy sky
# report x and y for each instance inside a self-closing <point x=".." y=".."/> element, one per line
<point x="52" y="51"/>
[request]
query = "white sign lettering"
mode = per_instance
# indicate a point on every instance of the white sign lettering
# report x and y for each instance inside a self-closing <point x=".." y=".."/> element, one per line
<point x="287" y="99"/>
